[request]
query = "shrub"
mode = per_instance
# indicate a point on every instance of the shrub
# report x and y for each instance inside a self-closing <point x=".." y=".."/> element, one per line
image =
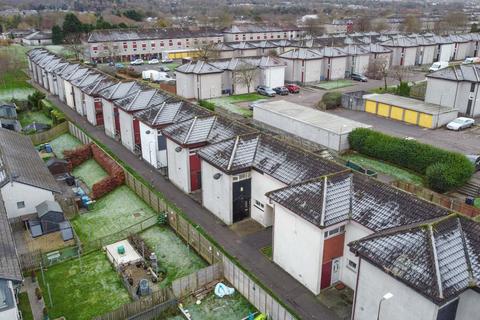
<point x="34" y="101"/>
<point x="403" y="89"/>
<point x="207" y="105"/>
<point x="443" y="170"/>
<point x="330" y="100"/>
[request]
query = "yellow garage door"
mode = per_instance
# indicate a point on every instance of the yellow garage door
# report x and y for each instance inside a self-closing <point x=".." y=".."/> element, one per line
<point x="396" y="113"/>
<point x="426" y="120"/>
<point x="371" y="106"/>
<point x="411" y="116"/>
<point x="383" y="110"/>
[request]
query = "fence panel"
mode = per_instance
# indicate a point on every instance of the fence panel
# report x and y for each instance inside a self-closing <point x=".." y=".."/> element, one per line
<point x="187" y="285"/>
<point x="43" y="137"/>
<point x="30" y="261"/>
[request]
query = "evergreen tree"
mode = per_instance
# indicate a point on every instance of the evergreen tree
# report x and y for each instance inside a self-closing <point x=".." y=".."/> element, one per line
<point x="57" y="35"/>
<point x="72" y="24"/>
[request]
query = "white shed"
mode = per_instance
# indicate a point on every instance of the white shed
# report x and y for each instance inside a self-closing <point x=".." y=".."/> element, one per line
<point x="307" y="123"/>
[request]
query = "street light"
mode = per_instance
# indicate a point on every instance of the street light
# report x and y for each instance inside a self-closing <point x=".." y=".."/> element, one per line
<point x="385" y="297"/>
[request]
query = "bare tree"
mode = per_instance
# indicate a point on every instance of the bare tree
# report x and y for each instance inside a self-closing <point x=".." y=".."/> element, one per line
<point x="206" y="51"/>
<point x="378" y="69"/>
<point x="380" y="25"/>
<point x="399" y="73"/>
<point x="74" y="41"/>
<point x="111" y="51"/>
<point x="363" y="24"/>
<point x="411" y="24"/>
<point x="245" y="75"/>
<point x="314" y="26"/>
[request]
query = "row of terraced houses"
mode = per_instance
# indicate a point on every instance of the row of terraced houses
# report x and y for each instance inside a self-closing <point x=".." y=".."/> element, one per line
<point x="330" y="225"/>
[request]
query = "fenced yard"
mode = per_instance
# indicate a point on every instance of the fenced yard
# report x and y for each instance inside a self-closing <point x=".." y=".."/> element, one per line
<point x="177" y="258"/>
<point x="53" y="133"/>
<point x="112" y="213"/>
<point x="64" y="142"/>
<point x="231" y="103"/>
<point x="82" y="288"/>
<point x="90" y="172"/>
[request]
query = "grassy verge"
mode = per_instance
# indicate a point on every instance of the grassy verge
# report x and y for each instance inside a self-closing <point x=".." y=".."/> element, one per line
<point x="24" y="306"/>
<point x="82" y="289"/>
<point x="334" y="84"/>
<point x="230" y="103"/>
<point x="385" y="168"/>
<point x="267" y="252"/>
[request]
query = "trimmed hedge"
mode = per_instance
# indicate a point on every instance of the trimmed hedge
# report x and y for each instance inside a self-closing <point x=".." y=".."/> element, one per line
<point x="330" y="100"/>
<point x="443" y="170"/>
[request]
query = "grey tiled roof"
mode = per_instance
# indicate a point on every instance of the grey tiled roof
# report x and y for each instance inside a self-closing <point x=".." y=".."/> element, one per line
<point x="400" y="41"/>
<point x="79" y="73"/>
<point x="269" y="155"/>
<point x="119" y="90"/>
<point x="440" y="259"/>
<point x="46" y="207"/>
<point x="95" y="87"/>
<point x="53" y="64"/>
<point x="252" y="28"/>
<point x="198" y="67"/>
<point x="219" y="65"/>
<point x="68" y="70"/>
<point x="468" y="72"/>
<point x="170" y="112"/>
<point x="376" y="48"/>
<point x="302" y="54"/>
<point x="150" y="34"/>
<point x="371" y="203"/>
<point x="9" y="264"/>
<point x="206" y="129"/>
<point x="19" y="161"/>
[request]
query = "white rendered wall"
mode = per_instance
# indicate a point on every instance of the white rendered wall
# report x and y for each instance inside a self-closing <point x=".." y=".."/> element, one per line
<point x="108" y="118"/>
<point x="298" y="247"/>
<point x="90" y="109"/>
<point x="441" y="92"/>
<point x="12" y="313"/>
<point x="178" y="166"/>
<point x="468" y="306"/>
<point x="126" y="130"/>
<point x="17" y="192"/>
<point x="261" y="184"/>
<point x="68" y="93"/>
<point x="78" y="96"/>
<point x="184" y="84"/>
<point x="274" y="76"/>
<point x="217" y="194"/>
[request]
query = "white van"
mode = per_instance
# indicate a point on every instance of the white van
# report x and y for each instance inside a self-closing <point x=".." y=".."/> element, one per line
<point x="471" y="60"/>
<point x="438" y="66"/>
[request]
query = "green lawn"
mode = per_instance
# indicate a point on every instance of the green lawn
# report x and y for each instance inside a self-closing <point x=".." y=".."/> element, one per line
<point x="229" y="103"/>
<point x="28" y="117"/>
<point x="24" y="306"/>
<point x="334" y="84"/>
<point x="267" y="252"/>
<point x="64" y="142"/>
<point x="385" y="168"/>
<point x="82" y="289"/>
<point x="13" y="84"/>
<point x="232" y="307"/>
<point x="90" y="172"/>
<point x="172" y="253"/>
<point x="112" y="213"/>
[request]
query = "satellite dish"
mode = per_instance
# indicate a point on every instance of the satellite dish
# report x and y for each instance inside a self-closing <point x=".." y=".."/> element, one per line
<point x="217" y="176"/>
<point x="178" y="149"/>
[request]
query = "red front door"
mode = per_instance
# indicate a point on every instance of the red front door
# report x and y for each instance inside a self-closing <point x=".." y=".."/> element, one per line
<point x="117" y="119"/>
<point x="136" y="131"/>
<point x="98" y="112"/>
<point x="195" y="173"/>
<point x="326" y="275"/>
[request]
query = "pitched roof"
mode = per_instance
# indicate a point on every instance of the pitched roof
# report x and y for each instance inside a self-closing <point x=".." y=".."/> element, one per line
<point x="463" y="72"/>
<point x="302" y="54"/>
<point x="198" y="67"/>
<point x="269" y="155"/>
<point x="39" y="35"/>
<point x="399" y="41"/>
<point x="9" y="264"/>
<point x="252" y="28"/>
<point x="119" y="90"/>
<point x="142" y="99"/>
<point x="101" y="83"/>
<point x="150" y="34"/>
<point x="205" y="129"/>
<point x="169" y="112"/>
<point x="331" y="199"/>
<point x="440" y="259"/>
<point x="19" y="161"/>
<point x="46" y="207"/>
<point x="219" y="65"/>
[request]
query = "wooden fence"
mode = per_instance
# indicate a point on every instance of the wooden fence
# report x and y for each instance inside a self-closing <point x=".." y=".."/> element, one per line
<point x="208" y="250"/>
<point x="148" y="307"/>
<point x="43" y="137"/>
<point x="187" y="285"/>
<point x="440" y="199"/>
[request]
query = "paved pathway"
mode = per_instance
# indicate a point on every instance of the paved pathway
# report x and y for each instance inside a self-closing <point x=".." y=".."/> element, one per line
<point x="36" y="305"/>
<point x="276" y="279"/>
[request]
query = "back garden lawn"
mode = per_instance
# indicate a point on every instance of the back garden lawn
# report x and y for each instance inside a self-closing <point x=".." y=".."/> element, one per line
<point x="229" y="103"/>
<point x="90" y="172"/>
<point x="83" y="289"/>
<point x="64" y="142"/>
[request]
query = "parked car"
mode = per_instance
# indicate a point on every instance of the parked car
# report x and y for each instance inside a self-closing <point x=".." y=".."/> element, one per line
<point x="293" y="88"/>
<point x="136" y="62"/>
<point x="460" y="123"/>
<point x="475" y="160"/>
<point x="439" y="65"/>
<point x="167" y="60"/>
<point x="256" y="103"/>
<point x="119" y="65"/>
<point x="283" y="91"/>
<point x="154" y="61"/>
<point x="359" y="77"/>
<point x="471" y="60"/>
<point x="164" y="69"/>
<point x="265" y="91"/>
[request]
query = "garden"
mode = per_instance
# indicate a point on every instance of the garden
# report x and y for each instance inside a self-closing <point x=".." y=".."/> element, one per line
<point x="82" y="288"/>
<point x="334" y="84"/>
<point x="90" y="172"/>
<point x="64" y="142"/>
<point x="237" y="104"/>
<point x="13" y="79"/>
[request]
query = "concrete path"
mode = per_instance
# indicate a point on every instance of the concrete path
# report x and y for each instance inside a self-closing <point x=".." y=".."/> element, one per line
<point x="36" y="305"/>
<point x="292" y="293"/>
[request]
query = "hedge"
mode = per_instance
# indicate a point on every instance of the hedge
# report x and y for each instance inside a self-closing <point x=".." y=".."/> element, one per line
<point x="443" y="170"/>
<point x="330" y="100"/>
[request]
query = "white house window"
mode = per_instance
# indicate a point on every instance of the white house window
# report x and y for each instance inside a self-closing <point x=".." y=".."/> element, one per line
<point x="352" y="265"/>
<point x="20" y="204"/>
<point x="334" y="232"/>
<point x="259" y="205"/>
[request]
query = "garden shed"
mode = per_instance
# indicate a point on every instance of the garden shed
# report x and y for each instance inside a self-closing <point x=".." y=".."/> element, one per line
<point x="122" y="252"/>
<point x="57" y="166"/>
<point x="50" y="215"/>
